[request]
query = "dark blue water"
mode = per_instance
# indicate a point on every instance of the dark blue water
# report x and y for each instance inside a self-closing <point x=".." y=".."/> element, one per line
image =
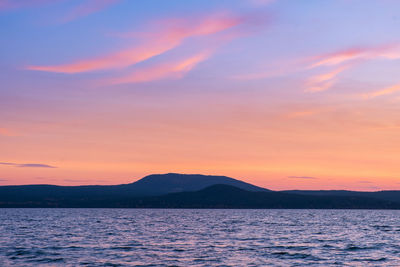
<point x="151" y="237"/>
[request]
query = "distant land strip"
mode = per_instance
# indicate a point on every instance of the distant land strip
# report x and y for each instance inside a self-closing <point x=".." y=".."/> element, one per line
<point x="174" y="190"/>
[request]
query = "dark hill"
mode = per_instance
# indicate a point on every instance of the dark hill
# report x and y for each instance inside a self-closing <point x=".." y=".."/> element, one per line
<point x="152" y="185"/>
<point x="215" y="196"/>
<point x="190" y="191"/>
<point x="159" y="184"/>
<point x="225" y="196"/>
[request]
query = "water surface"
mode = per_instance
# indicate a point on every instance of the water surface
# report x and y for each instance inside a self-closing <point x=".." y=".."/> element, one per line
<point x="157" y="237"/>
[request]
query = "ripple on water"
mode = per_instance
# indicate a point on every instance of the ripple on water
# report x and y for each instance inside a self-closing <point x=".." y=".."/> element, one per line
<point x="140" y="237"/>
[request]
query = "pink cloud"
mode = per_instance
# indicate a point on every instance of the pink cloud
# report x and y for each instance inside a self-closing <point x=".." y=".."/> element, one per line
<point x="321" y="86"/>
<point x="324" y="81"/>
<point x="346" y="59"/>
<point x="172" y="36"/>
<point x="119" y="59"/>
<point x="172" y="70"/>
<point x="341" y="61"/>
<point x="391" y="52"/>
<point x="327" y="76"/>
<point x="339" y="57"/>
<point x="385" y="91"/>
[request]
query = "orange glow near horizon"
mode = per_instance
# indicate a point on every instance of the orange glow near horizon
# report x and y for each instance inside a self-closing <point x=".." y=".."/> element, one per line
<point x="107" y="92"/>
<point x="282" y="147"/>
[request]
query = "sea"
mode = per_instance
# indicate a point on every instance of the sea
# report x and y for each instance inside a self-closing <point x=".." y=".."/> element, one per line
<point x="199" y="237"/>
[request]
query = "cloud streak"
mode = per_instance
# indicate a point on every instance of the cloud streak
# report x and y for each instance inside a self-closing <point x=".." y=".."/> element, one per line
<point x="172" y="36"/>
<point x="390" y="52"/>
<point x="346" y="59"/>
<point x="383" y="92"/>
<point x="324" y="81"/>
<point x="330" y="66"/>
<point x="27" y="165"/>
<point x="172" y="70"/>
<point x="337" y="58"/>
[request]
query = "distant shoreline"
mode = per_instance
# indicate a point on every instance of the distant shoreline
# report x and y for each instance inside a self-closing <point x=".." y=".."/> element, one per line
<point x="190" y="191"/>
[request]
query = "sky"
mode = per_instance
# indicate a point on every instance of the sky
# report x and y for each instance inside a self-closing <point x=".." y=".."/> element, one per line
<point x="282" y="94"/>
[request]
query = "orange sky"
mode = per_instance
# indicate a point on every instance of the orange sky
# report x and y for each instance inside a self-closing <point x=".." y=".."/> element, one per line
<point x="270" y="92"/>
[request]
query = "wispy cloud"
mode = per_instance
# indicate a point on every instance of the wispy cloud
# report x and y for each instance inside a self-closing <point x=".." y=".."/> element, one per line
<point x="7" y="163"/>
<point x="34" y="165"/>
<point x="385" y="91"/>
<point x="172" y="70"/>
<point x="302" y="177"/>
<point x="391" y="51"/>
<point x="27" y="165"/>
<point x="330" y="66"/>
<point x="175" y="32"/>
<point x="324" y="81"/>
<point x="320" y="78"/>
<point x="339" y="57"/>
<point x="347" y="59"/>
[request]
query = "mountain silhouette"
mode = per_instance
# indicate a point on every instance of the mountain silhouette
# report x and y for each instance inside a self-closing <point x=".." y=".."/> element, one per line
<point x="152" y="185"/>
<point x="174" y="190"/>
<point x="226" y="196"/>
<point x="158" y="184"/>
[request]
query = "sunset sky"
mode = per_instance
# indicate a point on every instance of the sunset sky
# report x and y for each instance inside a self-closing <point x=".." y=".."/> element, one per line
<point x="283" y="94"/>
